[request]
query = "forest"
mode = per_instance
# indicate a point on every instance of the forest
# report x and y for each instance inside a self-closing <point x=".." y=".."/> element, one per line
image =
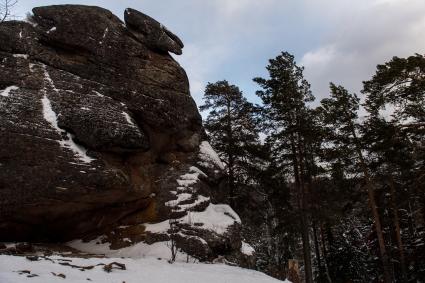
<point x="336" y="185"/>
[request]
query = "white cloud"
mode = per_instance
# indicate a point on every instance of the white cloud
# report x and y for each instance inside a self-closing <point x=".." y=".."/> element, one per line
<point x="361" y="36"/>
<point x="320" y="57"/>
<point x="200" y="62"/>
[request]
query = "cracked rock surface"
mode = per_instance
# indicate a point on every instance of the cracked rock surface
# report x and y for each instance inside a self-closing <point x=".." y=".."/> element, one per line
<point x="86" y="112"/>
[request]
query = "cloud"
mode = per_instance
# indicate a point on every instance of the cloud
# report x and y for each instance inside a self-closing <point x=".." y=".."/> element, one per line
<point x="320" y="57"/>
<point x="225" y="32"/>
<point x="362" y="36"/>
<point x="200" y="63"/>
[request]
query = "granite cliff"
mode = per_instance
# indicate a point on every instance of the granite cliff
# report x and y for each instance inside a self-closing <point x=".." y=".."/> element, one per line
<point x="100" y="139"/>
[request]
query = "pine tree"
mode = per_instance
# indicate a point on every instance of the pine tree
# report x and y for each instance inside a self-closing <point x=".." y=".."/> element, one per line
<point x="284" y="95"/>
<point x="340" y="113"/>
<point x="395" y="100"/>
<point x="254" y="176"/>
<point x="278" y="232"/>
<point x="232" y="127"/>
<point x="399" y="84"/>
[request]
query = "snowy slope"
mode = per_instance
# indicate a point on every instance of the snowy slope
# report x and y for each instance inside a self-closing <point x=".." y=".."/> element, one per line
<point x="137" y="270"/>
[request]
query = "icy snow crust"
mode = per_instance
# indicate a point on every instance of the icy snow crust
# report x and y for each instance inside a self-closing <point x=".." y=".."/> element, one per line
<point x="149" y="270"/>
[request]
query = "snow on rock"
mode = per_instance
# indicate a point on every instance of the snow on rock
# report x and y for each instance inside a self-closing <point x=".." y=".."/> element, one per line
<point x="149" y="270"/>
<point x="198" y="212"/>
<point x="186" y="191"/>
<point x="209" y="156"/>
<point x="6" y="92"/>
<point x="51" y="117"/>
<point x="199" y="200"/>
<point x="158" y="228"/>
<point x="128" y="119"/>
<point x="216" y="217"/>
<point x="180" y="197"/>
<point x="49" y="79"/>
<point x="52" y="29"/>
<point x="24" y="56"/>
<point x="98" y="93"/>
<point x="247" y="249"/>
<point x="104" y="35"/>
<point x="197" y="170"/>
<point x="187" y="180"/>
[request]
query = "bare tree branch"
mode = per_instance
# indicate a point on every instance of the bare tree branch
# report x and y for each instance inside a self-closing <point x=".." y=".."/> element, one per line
<point x="6" y="7"/>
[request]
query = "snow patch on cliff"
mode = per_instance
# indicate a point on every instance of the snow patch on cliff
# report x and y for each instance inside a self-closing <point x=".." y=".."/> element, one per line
<point x="247" y="249"/>
<point x="209" y="156"/>
<point x="51" y="117"/>
<point x="7" y="91"/>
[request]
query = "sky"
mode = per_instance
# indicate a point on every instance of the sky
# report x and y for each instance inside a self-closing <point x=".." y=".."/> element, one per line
<point x="338" y="41"/>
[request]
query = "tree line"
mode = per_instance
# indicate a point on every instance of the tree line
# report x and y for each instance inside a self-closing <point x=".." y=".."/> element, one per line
<point x="342" y="193"/>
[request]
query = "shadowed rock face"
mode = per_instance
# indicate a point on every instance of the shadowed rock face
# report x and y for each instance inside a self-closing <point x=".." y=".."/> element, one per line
<point x="88" y="113"/>
<point x="152" y="33"/>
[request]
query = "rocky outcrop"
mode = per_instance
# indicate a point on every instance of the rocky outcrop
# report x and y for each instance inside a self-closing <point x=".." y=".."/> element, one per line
<point x="152" y="33"/>
<point x="99" y="131"/>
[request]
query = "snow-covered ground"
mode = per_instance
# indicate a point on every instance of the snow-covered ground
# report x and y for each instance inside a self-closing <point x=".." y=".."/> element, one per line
<point x="15" y="269"/>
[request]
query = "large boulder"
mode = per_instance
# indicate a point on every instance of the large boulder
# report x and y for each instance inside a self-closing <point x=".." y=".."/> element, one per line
<point x="99" y="135"/>
<point x="152" y="33"/>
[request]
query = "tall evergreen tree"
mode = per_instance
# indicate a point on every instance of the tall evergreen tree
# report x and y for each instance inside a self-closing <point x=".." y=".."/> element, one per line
<point x="395" y="100"/>
<point x="284" y="95"/>
<point x="233" y="130"/>
<point x="399" y="85"/>
<point x="340" y="113"/>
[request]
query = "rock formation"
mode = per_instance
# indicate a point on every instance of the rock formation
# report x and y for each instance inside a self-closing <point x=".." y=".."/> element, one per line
<point x="99" y="136"/>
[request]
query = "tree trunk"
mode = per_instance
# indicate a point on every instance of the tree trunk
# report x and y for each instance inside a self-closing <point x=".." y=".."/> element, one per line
<point x="306" y="248"/>
<point x="317" y="250"/>
<point x="325" y="253"/>
<point x="299" y="183"/>
<point x="304" y="221"/>
<point x="372" y="202"/>
<point x="397" y="229"/>
<point x="231" y="158"/>
<point x="293" y="271"/>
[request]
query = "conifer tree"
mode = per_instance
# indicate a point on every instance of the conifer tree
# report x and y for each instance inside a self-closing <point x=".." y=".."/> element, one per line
<point x="284" y="95"/>
<point x="395" y="100"/>
<point x="340" y="114"/>
<point x="399" y="84"/>
<point x="232" y="127"/>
